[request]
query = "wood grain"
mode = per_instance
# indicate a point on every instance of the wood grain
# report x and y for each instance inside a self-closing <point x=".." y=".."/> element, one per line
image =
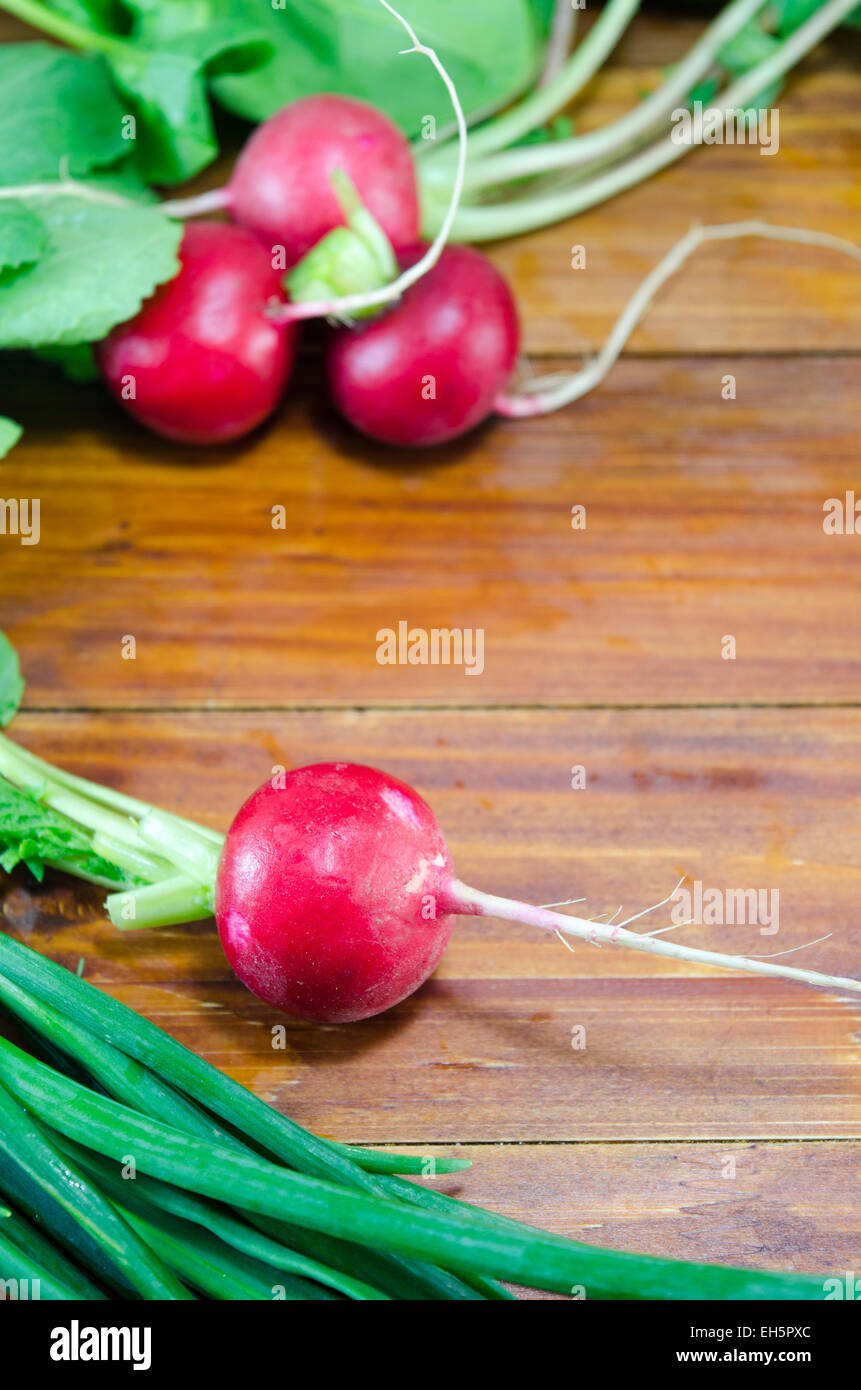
<point x="769" y="1206"/>
<point x="704" y="518"/>
<point x="736" y="798"/>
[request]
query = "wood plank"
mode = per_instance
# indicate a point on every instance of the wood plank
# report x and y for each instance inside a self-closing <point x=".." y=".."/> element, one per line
<point x="748" y="295"/>
<point x="484" y="1052"/>
<point x="704" y="517"/>
<point x="766" y="1206"/>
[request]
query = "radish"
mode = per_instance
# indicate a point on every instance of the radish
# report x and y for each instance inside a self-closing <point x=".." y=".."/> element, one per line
<point x="336" y="896"/>
<point x="281" y="187"/>
<point x="327" y="889"/>
<point x="282" y="183"/>
<point x="431" y="367"/>
<point x="202" y="361"/>
<point x="334" y="892"/>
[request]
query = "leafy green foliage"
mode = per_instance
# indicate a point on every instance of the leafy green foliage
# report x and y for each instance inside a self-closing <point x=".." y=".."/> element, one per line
<point x="76" y="362"/>
<point x="791" y="14"/>
<point x="10" y="433"/>
<point x="173" y="48"/>
<point x="751" y="45"/>
<point x="102" y="260"/>
<point x="33" y="834"/>
<point x="489" y="47"/>
<point x="56" y="107"/>
<point x="11" y="680"/>
<point x="104" y="16"/>
<point x="22" y="235"/>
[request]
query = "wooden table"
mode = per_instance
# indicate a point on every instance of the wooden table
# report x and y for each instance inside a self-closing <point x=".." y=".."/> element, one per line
<point x="709" y="1116"/>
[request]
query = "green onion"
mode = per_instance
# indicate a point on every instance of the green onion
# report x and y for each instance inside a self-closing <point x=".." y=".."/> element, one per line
<point x="219" y="1222"/>
<point x="142" y="1040"/>
<point x="28" y="1238"/>
<point x="21" y="1266"/>
<point x="22" y="1142"/>
<point x="523" y="1256"/>
<point x="205" y="1263"/>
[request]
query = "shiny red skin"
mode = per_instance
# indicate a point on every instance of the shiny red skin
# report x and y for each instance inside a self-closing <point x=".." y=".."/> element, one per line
<point x="208" y="365"/>
<point x="281" y="185"/>
<point x="321" y="889"/>
<point x="455" y="332"/>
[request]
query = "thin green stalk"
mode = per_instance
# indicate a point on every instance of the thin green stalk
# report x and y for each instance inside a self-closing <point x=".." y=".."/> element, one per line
<point x="35" y="1281"/>
<point x="220" y="1223"/>
<point x="177" y="899"/>
<point x="525" y="214"/>
<point x="59" y="27"/>
<point x="118" y="822"/>
<point x="123" y="1078"/>
<point x="16" y="1228"/>
<point x="81" y="809"/>
<point x="541" y="104"/>
<point x="528" y="1256"/>
<point x="141" y="1039"/>
<point x="207" y="1264"/>
<point x="128" y="1081"/>
<point x="528" y="161"/>
<point x="61" y="1226"/>
<point x="197" y="856"/>
<point x="376" y="1161"/>
<point x="105" y="796"/>
<point x="24" y="1143"/>
<point x="131" y="861"/>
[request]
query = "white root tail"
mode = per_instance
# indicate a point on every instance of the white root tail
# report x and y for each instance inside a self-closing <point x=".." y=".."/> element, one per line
<point x="471" y="901"/>
<point x="545" y="394"/>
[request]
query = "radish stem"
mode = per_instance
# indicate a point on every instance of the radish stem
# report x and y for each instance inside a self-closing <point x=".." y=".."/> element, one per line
<point x="613" y="138"/>
<point x="526" y="214"/>
<point x="212" y="201"/>
<point x="562" y="32"/>
<point x="584" y="62"/>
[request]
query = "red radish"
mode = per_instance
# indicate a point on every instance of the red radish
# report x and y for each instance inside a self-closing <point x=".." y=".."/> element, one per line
<point x="281" y="187"/>
<point x="326" y="898"/>
<point x="336" y="892"/>
<point x="430" y="368"/>
<point x="201" y="362"/>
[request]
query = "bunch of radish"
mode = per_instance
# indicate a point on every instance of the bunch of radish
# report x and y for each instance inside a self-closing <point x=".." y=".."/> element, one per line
<point x="209" y="356"/>
<point x="326" y="208"/>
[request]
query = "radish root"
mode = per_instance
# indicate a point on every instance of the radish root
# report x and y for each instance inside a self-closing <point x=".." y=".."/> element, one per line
<point x="460" y="898"/>
<point x="542" y="395"/>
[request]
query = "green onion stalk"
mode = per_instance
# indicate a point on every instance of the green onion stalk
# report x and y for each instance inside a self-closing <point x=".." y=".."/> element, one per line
<point x="448" y="1235"/>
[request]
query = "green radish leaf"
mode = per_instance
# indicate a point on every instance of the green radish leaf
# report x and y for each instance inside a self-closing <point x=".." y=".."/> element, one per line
<point x="544" y="11"/>
<point x="22" y="235"/>
<point x="167" y="86"/>
<point x="749" y="47"/>
<point x="490" y="48"/>
<point x="32" y="833"/>
<point x="102" y="16"/>
<point x="11" y="680"/>
<point x="103" y="259"/>
<point x="76" y="362"/>
<point x="173" y="48"/>
<point x="57" y="109"/>
<point x="791" y="14"/>
<point x="10" y="433"/>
